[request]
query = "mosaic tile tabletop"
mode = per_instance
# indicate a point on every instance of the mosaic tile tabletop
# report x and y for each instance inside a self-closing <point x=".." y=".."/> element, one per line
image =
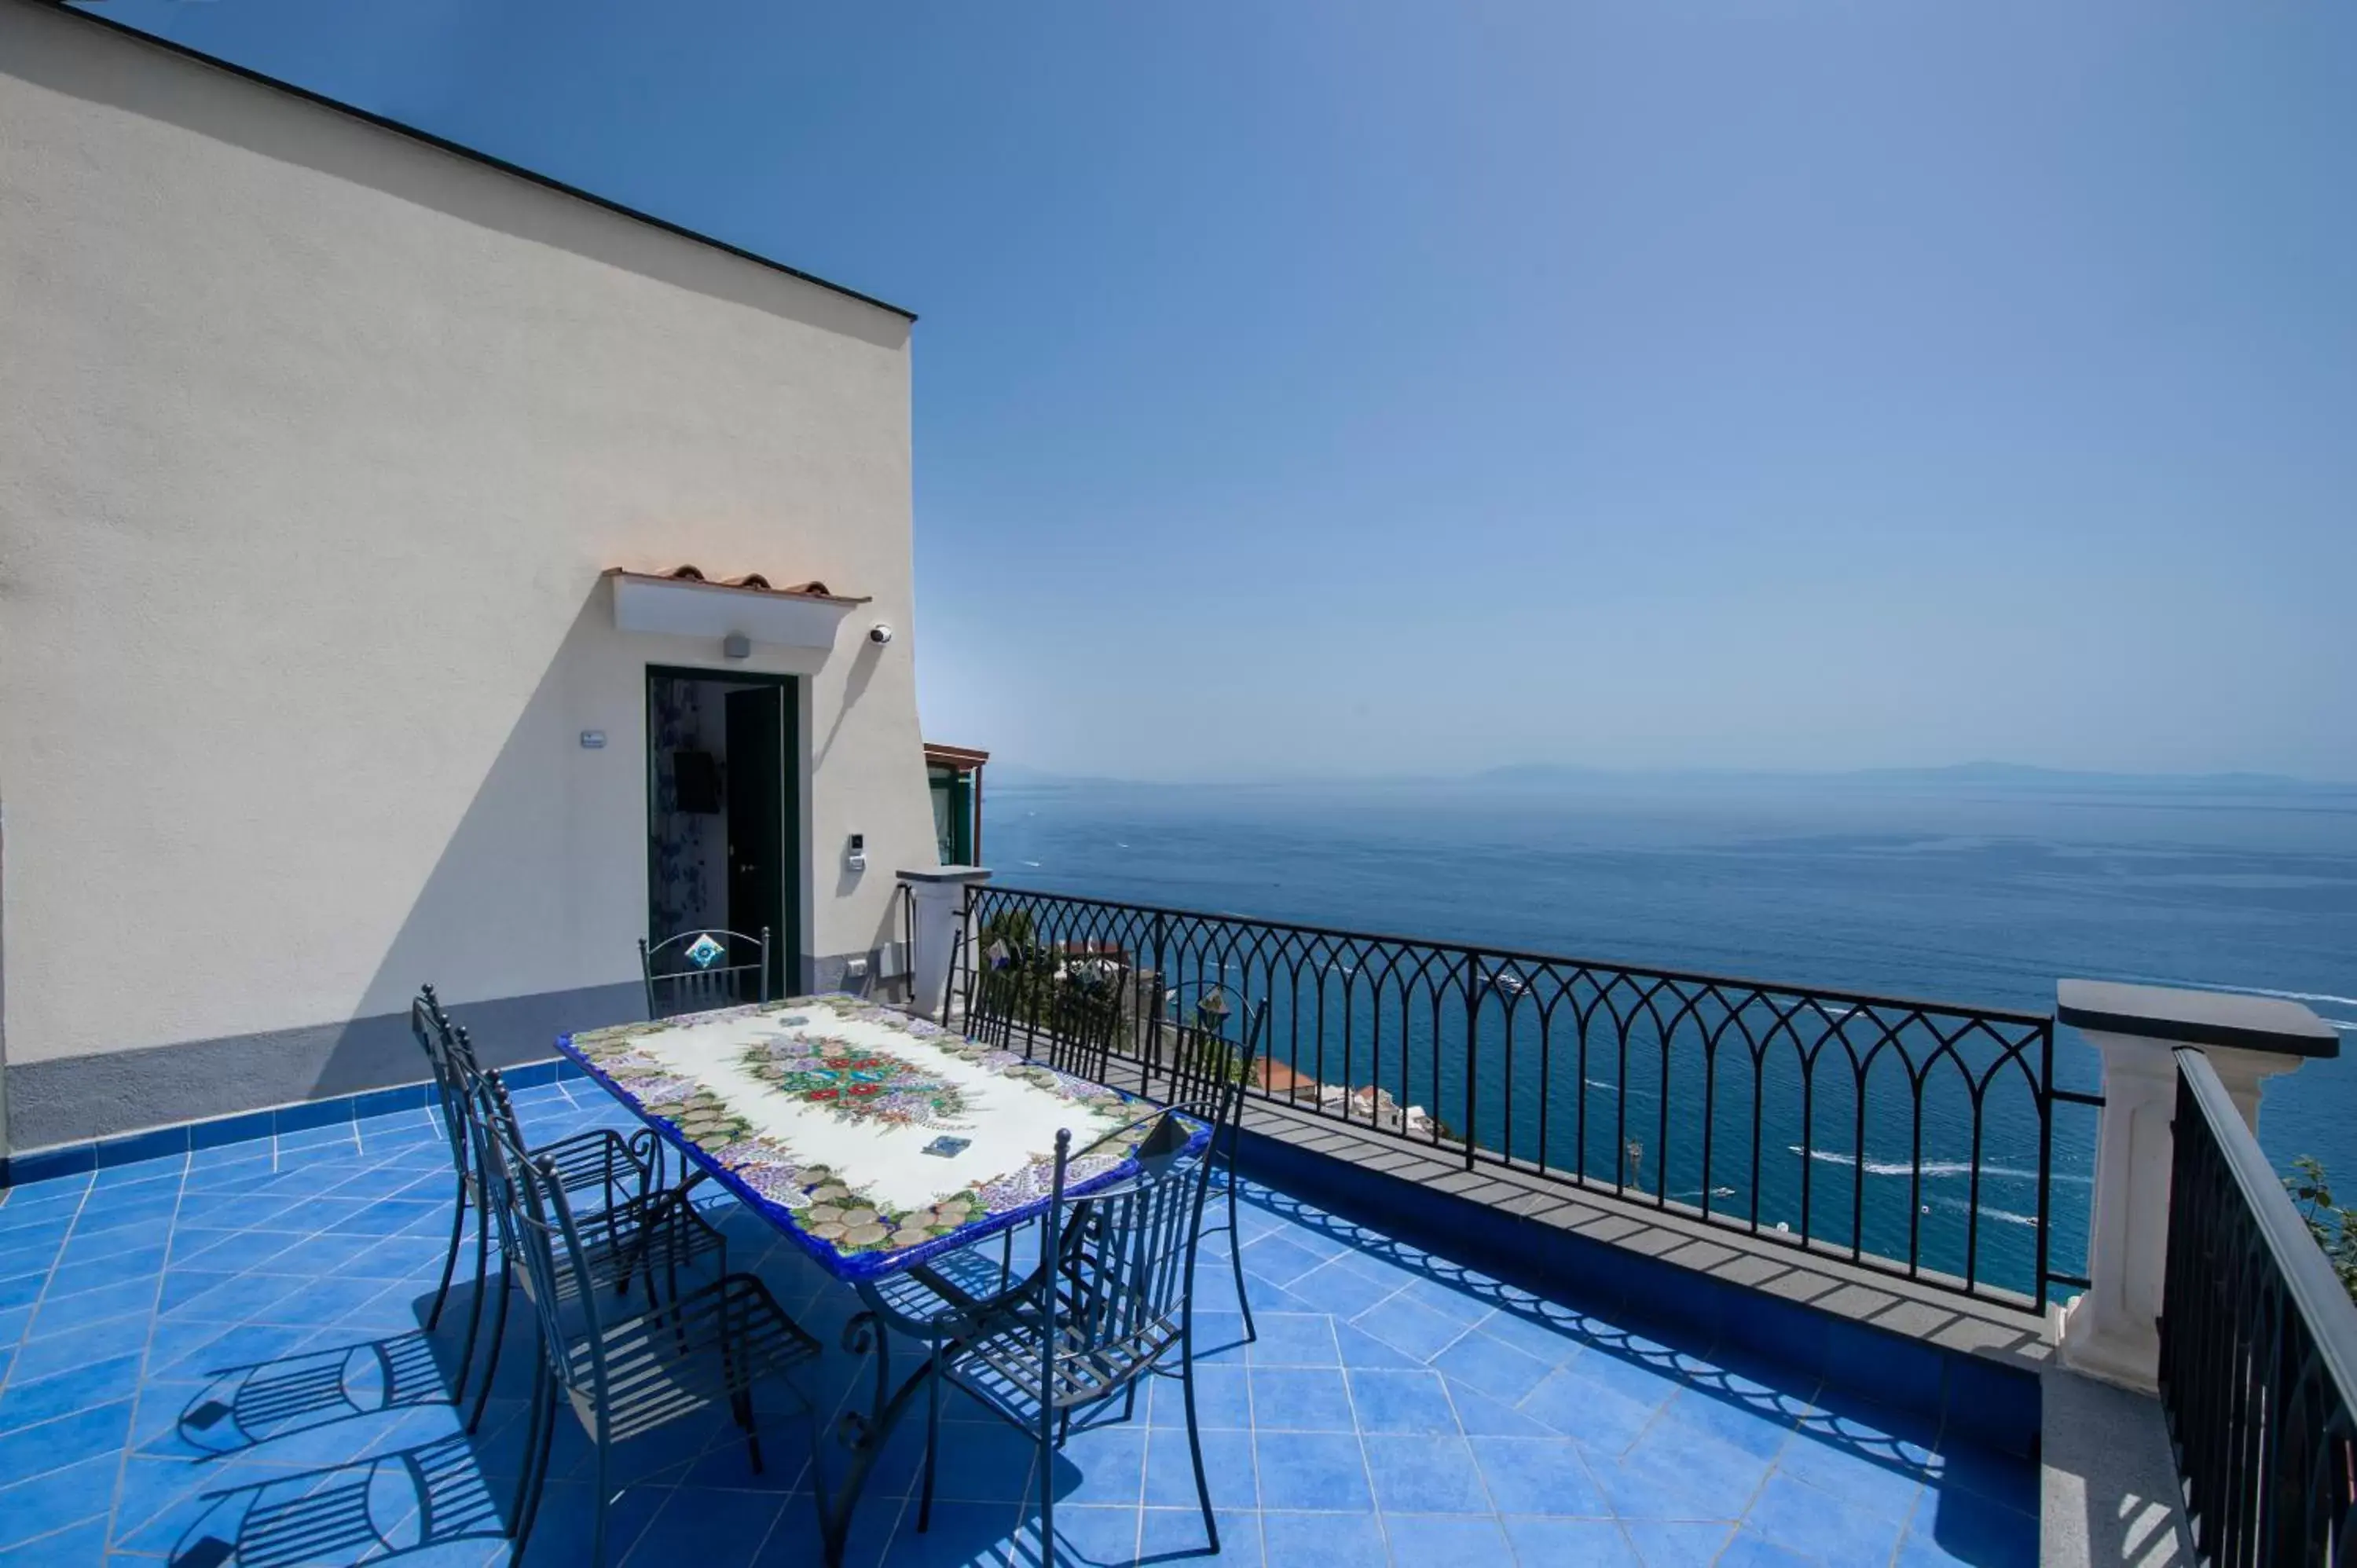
<point x="875" y="1139"/>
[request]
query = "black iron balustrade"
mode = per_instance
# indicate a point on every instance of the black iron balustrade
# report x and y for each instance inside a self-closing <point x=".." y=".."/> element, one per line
<point x="1913" y="1138"/>
<point x="2259" y="1351"/>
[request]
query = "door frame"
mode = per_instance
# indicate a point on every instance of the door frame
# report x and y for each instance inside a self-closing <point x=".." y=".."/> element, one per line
<point x="787" y="944"/>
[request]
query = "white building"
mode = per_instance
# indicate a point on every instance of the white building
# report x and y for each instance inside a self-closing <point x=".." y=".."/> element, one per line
<point x="321" y="447"/>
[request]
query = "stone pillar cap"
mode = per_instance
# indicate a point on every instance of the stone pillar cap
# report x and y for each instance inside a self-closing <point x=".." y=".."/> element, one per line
<point x="2195" y="1017"/>
<point x="945" y="874"/>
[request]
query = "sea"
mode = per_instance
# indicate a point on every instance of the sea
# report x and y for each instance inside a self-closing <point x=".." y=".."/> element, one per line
<point x="1982" y="889"/>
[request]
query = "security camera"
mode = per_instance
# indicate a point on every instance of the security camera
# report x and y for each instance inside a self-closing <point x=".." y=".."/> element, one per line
<point x="879" y="634"/>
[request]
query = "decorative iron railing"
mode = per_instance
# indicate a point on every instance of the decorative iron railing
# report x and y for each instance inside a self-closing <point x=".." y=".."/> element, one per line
<point x="1913" y="1138"/>
<point x="2259" y="1351"/>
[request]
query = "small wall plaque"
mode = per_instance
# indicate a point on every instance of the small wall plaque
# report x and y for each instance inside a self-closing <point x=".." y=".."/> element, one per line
<point x="593" y="740"/>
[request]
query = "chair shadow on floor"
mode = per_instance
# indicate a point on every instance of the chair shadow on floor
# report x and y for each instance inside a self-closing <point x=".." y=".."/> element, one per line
<point x="243" y="1407"/>
<point x="396" y="1504"/>
<point x="388" y="1477"/>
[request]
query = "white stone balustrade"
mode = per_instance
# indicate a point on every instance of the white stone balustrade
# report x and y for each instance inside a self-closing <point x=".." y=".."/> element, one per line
<point x="938" y="894"/>
<point x="2113" y="1331"/>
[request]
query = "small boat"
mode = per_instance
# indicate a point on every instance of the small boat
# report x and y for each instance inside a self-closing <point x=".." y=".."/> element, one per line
<point x="1505" y="980"/>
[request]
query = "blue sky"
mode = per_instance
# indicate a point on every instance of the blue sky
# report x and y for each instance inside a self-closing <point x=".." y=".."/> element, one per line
<point x="1322" y="387"/>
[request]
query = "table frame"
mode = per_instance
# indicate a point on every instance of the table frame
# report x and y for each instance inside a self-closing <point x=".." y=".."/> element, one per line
<point x="865" y="1433"/>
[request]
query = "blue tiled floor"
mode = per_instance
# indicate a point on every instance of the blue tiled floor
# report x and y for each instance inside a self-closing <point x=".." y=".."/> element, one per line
<point x="188" y="1344"/>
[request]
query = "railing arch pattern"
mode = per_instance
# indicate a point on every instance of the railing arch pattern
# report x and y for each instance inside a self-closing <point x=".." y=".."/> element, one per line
<point x="1913" y="1138"/>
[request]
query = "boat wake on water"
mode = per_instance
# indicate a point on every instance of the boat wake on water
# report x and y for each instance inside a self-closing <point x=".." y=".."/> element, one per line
<point x="1932" y="1170"/>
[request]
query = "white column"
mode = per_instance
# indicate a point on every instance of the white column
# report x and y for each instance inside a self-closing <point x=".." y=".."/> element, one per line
<point x="2113" y="1331"/>
<point x="939" y="893"/>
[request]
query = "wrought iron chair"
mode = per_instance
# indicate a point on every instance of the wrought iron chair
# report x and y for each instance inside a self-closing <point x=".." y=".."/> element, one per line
<point x="586" y="1156"/>
<point x="694" y="972"/>
<point x="1081" y="1020"/>
<point x="986" y="983"/>
<point x="1111" y="1301"/>
<point x="451" y="1056"/>
<point x="1065" y="1008"/>
<point x="1044" y="1000"/>
<point x="431" y="1026"/>
<point x="624" y="1374"/>
<point x="1202" y="1061"/>
<point x="637" y="1224"/>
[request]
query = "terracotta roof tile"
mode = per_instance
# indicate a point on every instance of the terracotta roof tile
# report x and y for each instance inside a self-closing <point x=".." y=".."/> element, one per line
<point x="689" y="572"/>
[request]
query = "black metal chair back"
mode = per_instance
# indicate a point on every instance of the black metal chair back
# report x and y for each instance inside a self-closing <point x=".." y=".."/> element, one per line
<point x="456" y="1072"/>
<point x="1111" y="1301"/>
<point x="465" y="1073"/>
<point x="984" y="983"/>
<point x="695" y="971"/>
<point x="500" y="1152"/>
<point x="537" y="1226"/>
<point x="1199" y="1060"/>
<point x="1080" y="1020"/>
<point x="1126" y="1282"/>
<point x="1211" y="1038"/>
<point x="1063" y="1007"/>
<point x="432" y="1028"/>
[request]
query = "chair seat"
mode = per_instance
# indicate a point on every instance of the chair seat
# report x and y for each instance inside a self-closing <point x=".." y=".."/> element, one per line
<point x="700" y="1350"/>
<point x="1003" y="1366"/>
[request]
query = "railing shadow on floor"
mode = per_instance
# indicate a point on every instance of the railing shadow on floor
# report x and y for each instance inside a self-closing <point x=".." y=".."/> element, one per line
<point x="1903" y="1443"/>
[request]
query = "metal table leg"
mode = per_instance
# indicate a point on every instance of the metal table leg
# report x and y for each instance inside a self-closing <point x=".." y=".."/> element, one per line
<point x="864" y="1434"/>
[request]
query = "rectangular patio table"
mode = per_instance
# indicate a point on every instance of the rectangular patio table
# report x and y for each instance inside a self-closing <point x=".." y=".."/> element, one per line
<point x="879" y="1142"/>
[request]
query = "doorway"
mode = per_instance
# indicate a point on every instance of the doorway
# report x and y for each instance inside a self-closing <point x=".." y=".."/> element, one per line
<point x="722" y="849"/>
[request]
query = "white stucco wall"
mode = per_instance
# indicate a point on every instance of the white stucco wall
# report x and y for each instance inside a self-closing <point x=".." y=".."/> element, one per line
<point x="313" y="440"/>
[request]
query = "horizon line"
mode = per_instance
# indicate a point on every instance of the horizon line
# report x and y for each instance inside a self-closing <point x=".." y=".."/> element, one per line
<point x="1983" y="771"/>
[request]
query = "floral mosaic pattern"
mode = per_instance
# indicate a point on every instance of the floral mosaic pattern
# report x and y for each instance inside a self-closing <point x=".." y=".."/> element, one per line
<point x="803" y="1054"/>
<point x="855" y="1083"/>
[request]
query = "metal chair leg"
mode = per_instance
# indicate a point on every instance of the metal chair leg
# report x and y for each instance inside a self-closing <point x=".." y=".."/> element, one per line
<point x="1046" y="1493"/>
<point x="1236" y="1258"/>
<point x="598" y="1536"/>
<point x="1195" y="1442"/>
<point x="541" y="1446"/>
<point x="499" y="1336"/>
<point x="449" y="1258"/>
<point x="474" y="1312"/>
<point x="530" y="1447"/>
<point x="932" y="1440"/>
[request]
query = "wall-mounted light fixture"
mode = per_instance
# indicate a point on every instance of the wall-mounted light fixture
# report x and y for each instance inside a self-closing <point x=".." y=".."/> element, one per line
<point x="737" y="645"/>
